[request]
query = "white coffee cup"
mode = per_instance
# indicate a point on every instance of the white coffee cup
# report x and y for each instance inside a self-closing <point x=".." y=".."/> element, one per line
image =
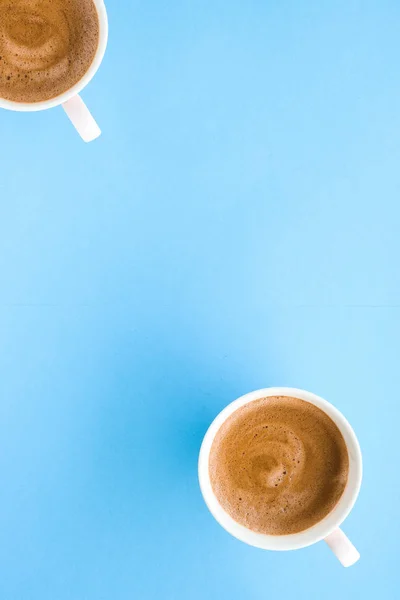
<point x="328" y="528"/>
<point x="70" y="100"/>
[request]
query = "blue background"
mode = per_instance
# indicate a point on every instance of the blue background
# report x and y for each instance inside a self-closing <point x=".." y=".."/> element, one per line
<point x="236" y="226"/>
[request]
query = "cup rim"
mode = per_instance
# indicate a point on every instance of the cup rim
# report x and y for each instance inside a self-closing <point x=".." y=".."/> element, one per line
<point x="79" y="85"/>
<point x="313" y="534"/>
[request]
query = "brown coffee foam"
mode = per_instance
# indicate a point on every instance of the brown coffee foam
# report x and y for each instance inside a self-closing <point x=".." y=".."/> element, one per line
<point x="46" y="46"/>
<point x="278" y="465"/>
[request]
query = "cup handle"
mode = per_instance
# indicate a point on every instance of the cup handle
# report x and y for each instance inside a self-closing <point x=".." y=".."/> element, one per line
<point x="342" y="547"/>
<point x="81" y="118"/>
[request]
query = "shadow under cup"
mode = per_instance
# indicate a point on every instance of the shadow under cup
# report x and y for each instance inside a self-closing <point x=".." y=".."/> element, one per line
<point x="320" y="530"/>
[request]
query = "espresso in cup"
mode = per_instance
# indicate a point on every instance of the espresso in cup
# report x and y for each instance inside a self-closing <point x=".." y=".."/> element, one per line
<point x="46" y="47"/>
<point x="278" y="465"/>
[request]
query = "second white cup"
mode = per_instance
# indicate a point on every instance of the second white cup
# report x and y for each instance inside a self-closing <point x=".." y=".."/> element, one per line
<point x="70" y="100"/>
<point x="328" y="528"/>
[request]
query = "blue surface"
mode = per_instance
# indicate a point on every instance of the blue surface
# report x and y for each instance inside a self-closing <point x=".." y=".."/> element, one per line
<point x="237" y="226"/>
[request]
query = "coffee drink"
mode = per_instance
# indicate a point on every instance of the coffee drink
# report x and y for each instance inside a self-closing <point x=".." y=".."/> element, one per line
<point x="46" y="46"/>
<point x="278" y="465"/>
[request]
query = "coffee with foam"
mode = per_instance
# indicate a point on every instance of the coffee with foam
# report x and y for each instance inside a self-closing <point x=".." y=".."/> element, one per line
<point x="46" y="47"/>
<point x="278" y="465"/>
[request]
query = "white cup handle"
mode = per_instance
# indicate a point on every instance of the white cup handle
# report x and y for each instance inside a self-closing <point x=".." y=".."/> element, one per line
<point x="81" y="118"/>
<point x="342" y="547"/>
